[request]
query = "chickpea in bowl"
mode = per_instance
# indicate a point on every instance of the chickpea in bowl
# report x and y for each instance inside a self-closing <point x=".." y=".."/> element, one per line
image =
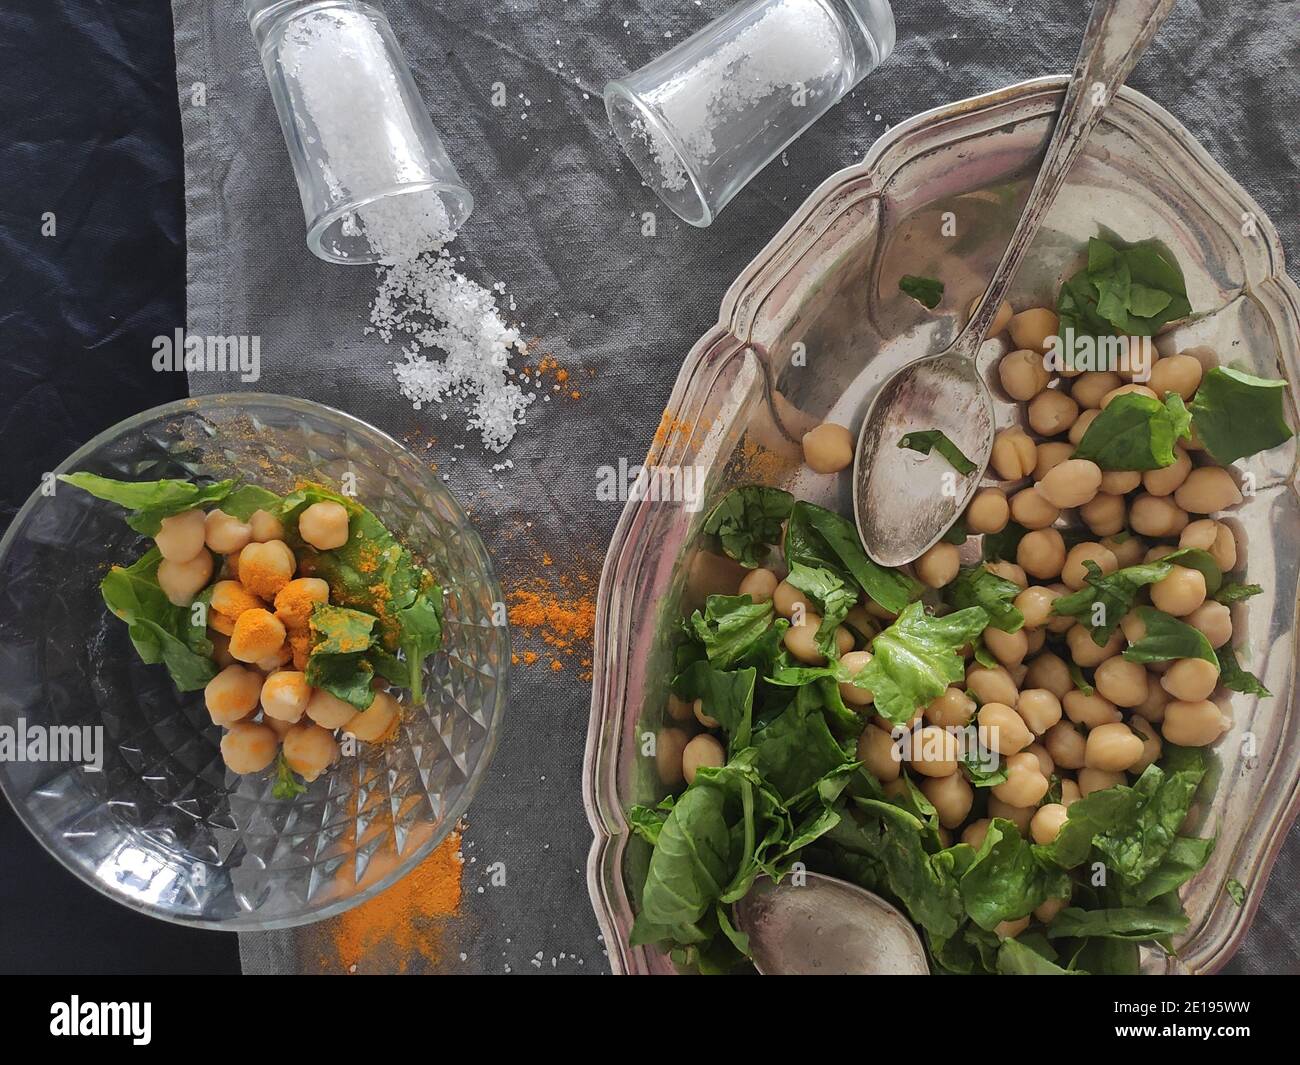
<point x="294" y="614"/>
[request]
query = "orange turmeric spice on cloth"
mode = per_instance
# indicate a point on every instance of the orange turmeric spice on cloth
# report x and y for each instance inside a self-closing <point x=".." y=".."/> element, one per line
<point x="559" y="613"/>
<point x="408" y="920"/>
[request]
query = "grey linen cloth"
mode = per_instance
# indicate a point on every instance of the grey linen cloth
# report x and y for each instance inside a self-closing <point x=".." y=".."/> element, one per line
<point x="558" y="221"/>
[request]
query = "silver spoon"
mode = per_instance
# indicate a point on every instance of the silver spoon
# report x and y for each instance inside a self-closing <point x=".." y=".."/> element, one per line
<point x="904" y="503"/>
<point x="824" y="926"/>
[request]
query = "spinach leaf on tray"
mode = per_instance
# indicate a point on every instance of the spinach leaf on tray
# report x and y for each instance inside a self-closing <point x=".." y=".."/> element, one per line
<point x="149" y="501"/>
<point x="927" y="440"/>
<point x="927" y="291"/>
<point x="821" y="539"/>
<point x="1136" y="432"/>
<point x="1237" y="414"/>
<point x="747" y="522"/>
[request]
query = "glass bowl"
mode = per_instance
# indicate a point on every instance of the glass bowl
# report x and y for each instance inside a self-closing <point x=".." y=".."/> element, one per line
<point x="816" y="323"/>
<point x="163" y="827"/>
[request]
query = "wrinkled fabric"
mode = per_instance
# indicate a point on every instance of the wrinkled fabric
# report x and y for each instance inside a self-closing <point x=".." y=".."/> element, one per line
<point x="558" y="221"/>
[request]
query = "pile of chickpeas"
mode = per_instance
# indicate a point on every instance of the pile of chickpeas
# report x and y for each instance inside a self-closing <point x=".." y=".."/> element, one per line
<point x="258" y="620"/>
<point x="1027" y="708"/>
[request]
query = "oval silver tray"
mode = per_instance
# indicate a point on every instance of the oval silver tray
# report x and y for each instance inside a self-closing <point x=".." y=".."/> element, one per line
<point x="816" y="322"/>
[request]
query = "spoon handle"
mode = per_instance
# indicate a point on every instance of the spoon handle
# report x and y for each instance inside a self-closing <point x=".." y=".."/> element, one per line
<point x="1118" y="32"/>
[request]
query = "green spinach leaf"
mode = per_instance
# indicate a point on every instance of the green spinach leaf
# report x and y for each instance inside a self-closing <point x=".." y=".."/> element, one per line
<point x="1237" y="414"/>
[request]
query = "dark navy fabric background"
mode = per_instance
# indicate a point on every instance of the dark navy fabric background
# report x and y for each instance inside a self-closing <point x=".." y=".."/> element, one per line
<point x="89" y="130"/>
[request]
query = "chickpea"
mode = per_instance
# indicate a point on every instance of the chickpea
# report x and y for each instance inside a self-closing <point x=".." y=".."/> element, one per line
<point x="1001" y="729"/>
<point x="225" y="534"/>
<point x="887" y="726"/>
<point x="1193" y="724"/>
<point x="951" y="797"/>
<point x="1207" y="490"/>
<point x="1084" y="650"/>
<point x="828" y="448"/>
<point x="1123" y="682"/>
<point x="1035" y="604"/>
<point x="1000" y="319"/>
<point x="988" y="512"/>
<point x="860" y="622"/>
<point x="266" y="568"/>
<point x="1023" y="374"/>
<point x="1214" y="621"/>
<point x="670" y="744"/>
<point x="1066" y="745"/>
<point x="1039" y="708"/>
<point x="1070" y="793"/>
<point x="1112" y="748"/>
<point x="1080" y="427"/>
<point x="1052" y="412"/>
<point x="1025" y="783"/>
<point x="1138" y="356"/>
<point x="1020" y="816"/>
<point x="1165" y="481"/>
<point x="310" y="750"/>
<point x="759" y="585"/>
<point x="182" y="581"/>
<point x="249" y="747"/>
<point x="1151" y="745"/>
<point x="280" y="728"/>
<point x="1047" y="822"/>
<point x="1156" y="516"/>
<point x="879" y="753"/>
<point x="1031" y="328"/>
<point x="295" y="602"/>
<point x="1008" y="571"/>
<point x="855" y="662"/>
<point x="1190" y="680"/>
<point x="1074" y="573"/>
<point x="1214" y="537"/>
<point x="1046" y="913"/>
<point x="1014" y="454"/>
<point x="1051" y="453"/>
<point x="1152" y="708"/>
<point x="991" y="685"/>
<point x="1176" y="373"/>
<point x="801" y="640"/>
<point x="328" y="710"/>
<point x="1158" y="552"/>
<point x="1045" y="764"/>
<point x="257" y="635"/>
<point x="273" y="662"/>
<point x="939" y="565"/>
<point x="1071" y="484"/>
<point x="285" y="695"/>
<point x="1009" y="648"/>
<point x="703" y="750"/>
<point x="379" y="720"/>
<point x="230" y="599"/>
<point x="1090" y="711"/>
<point x="1050" y="672"/>
<point x="1179" y="593"/>
<point x="974" y="833"/>
<point x="1120" y="482"/>
<point x="1124" y="390"/>
<point x="953" y="709"/>
<point x="1091" y="780"/>
<point x="232" y="694"/>
<point x="324" y="525"/>
<point x="1128" y="550"/>
<point x="1088" y="389"/>
<point x="1041" y="553"/>
<point x="1104" y="515"/>
<point x="180" y="537"/>
<point x="786" y="597"/>
<point x="934" y="752"/>
<point x="265" y="526"/>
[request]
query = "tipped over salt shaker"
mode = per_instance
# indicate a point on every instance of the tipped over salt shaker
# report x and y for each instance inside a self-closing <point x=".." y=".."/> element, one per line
<point x="706" y="116"/>
<point x="373" y="175"/>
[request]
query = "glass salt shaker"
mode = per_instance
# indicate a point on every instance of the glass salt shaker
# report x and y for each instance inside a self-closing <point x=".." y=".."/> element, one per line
<point x="376" y="182"/>
<point x="706" y="116"/>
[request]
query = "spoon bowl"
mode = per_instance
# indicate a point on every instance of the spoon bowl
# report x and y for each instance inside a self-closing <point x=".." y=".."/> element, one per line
<point x="904" y="501"/>
<point x="823" y="926"/>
